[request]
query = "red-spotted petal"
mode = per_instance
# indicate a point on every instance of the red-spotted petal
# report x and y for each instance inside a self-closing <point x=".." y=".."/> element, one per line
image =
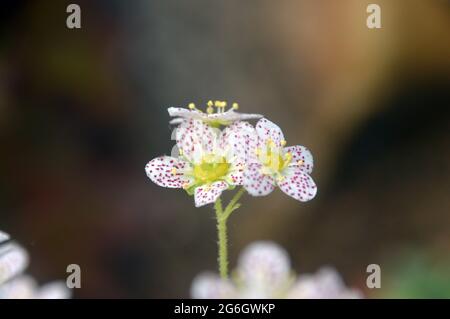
<point x="301" y="157"/>
<point x="268" y="130"/>
<point x="207" y="194"/>
<point x="194" y="135"/>
<point x="255" y="183"/>
<point x="236" y="176"/>
<point x="298" y="185"/>
<point x="240" y="139"/>
<point x="167" y="171"/>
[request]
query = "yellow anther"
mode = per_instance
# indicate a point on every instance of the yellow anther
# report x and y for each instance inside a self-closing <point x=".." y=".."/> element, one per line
<point x="180" y="151"/>
<point x="288" y="157"/>
<point x="217" y="103"/>
<point x="300" y="162"/>
<point x="280" y="178"/>
<point x="174" y="171"/>
<point x="235" y="106"/>
<point x="209" y="110"/>
<point x="191" y="106"/>
<point x="283" y="142"/>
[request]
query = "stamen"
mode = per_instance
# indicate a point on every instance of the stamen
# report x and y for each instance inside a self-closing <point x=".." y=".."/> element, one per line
<point x="270" y="143"/>
<point x="185" y="185"/>
<point x="210" y="109"/>
<point x="192" y="106"/>
<point x="174" y="171"/>
<point x="283" y="142"/>
<point x="235" y="106"/>
<point x="288" y="157"/>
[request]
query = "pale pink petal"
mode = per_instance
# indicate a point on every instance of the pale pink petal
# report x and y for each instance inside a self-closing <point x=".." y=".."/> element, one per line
<point x="325" y="284"/>
<point x="264" y="266"/>
<point x="192" y="135"/>
<point x="21" y="287"/>
<point x="211" y="286"/>
<point x="13" y="260"/>
<point x="167" y="171"/>
<point x="268" y="130"/>
<point x="298" y="185"/>
<point x="255" y="183"/>
<point x="301" y="157"/>
<point x="240" y="139"/>
<point x="207" y="194"/>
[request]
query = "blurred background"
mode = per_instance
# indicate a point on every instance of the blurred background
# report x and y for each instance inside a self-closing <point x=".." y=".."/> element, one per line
<point x="83" y="110"/>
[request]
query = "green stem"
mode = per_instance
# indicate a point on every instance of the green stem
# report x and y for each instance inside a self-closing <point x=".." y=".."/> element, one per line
<point x="222" y="236"/>
<point x="233" y="205"/>
<point x="222" y="218"/>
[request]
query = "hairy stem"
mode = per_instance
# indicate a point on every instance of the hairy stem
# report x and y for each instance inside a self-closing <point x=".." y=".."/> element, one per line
<point x="222" y="236"/>
<point x="222" y="218"/>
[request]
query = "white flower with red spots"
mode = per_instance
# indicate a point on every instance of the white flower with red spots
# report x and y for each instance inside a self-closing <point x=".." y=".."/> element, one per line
<point x="264" y="271"/>
<point x="13" y="285"/>
<point x="273" y="164"/>
<point x="215" y="115"/>
<point x="209" y="162"/>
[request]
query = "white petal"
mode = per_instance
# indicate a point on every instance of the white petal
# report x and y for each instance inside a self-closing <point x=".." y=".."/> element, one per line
<point x="298" y="184"/>
<point x="302" y="157"/>
<point x="268" y="130"/>
<point x="167" y="171"/>
<point x="240" y="139"/>
<point x="13" y="260"/>
<point x="207" y="194"/>
<point x="264" y="266"/>
<point x="211" y="286"/>
<point x="22" y="287"/>
<point x="53" y="290"/>
<point x="255" y="183"/>
<point x="231" y="116"/>
<point x="3" y="237"/>
<point x="179" y="112"/>
<point x="194" y="134"/>
<point x="236" y="174"/>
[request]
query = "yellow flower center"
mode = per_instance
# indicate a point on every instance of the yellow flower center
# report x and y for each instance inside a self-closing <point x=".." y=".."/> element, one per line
<point x="273" y="159"/>
<point x="211" y="169"/>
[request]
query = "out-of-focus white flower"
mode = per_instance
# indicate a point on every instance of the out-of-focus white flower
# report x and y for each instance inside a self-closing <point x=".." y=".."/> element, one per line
<point x="274" y="164"/>
<point x="13" y="261"/>
<point x="13" y="285"/>
<point x="210" y="160"/>
<point x="264" y="271"/>
<point x="3" y="236"/>
<point x="215" y="115"/>
<point x="25" y="287"/>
